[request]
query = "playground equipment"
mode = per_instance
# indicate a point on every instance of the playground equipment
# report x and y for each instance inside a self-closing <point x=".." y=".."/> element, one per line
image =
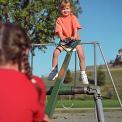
<point x="58" y="88"/>
<point x="118" y="60"/>
<point x="82" y="90"/>
<point x="95" y="91"/>
<point x="52" y="101"/>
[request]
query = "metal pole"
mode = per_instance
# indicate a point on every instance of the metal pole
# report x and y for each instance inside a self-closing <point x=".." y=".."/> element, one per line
<point x="99" y="107"/>
<point x="75" y="68"/>
<point x="110" y="76"/>
<point x="95" y="64"/>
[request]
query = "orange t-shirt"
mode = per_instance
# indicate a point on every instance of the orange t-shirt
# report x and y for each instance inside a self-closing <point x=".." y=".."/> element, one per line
<point x="66" y="25"/>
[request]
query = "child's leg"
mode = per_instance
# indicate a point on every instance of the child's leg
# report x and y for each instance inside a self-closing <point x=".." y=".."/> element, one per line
<point x="54" y="72"/>
<point x="56" y="53"/>
<point x="81" y="57"/>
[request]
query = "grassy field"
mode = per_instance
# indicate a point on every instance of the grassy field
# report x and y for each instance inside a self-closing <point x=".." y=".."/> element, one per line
<point x="86" y="103"/>
<point x="108" y="89"/>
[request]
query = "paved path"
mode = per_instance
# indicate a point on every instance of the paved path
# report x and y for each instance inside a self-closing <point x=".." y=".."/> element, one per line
<point x="90" y="116"/>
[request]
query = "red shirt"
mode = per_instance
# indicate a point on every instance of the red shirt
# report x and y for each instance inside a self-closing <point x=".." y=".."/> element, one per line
<point x="42" y="97"/>
<point x="66" y="25"/>
<point x="19" y="99"/>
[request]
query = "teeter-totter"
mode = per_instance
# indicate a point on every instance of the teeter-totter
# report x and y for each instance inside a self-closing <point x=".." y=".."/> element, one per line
<point x="58" y="88"/>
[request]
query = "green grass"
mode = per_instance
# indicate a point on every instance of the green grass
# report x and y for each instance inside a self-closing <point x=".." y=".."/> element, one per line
<point x="86" y="103"/>
<point x="111" y="103"/>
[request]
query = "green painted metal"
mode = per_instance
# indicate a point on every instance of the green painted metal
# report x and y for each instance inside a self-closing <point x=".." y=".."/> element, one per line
<point x="53" y="97"/>
<point x="64" y="90"/>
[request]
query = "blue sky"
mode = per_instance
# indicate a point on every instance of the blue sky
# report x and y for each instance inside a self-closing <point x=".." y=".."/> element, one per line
<point x="102" y="22"/>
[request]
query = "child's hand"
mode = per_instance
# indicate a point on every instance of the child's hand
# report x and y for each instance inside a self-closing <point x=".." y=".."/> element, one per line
<point x="73" y="38"/>
<point x="62" y="38"/>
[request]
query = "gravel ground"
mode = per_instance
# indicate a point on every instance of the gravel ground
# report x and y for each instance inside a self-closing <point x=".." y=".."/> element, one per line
<point x="90" y="116"/>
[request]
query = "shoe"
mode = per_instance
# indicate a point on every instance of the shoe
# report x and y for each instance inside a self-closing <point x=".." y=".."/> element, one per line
<point x="84" y="79"/>
<point x="54" y="74"/>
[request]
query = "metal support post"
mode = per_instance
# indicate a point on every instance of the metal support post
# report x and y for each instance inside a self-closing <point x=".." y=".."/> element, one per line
<point x="98" y="103"/>
<point x="75" y="69"/>
<point x="95" y="64"/>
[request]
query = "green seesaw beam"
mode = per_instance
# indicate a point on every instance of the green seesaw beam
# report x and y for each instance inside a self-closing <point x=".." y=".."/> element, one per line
<point x="62" y="73"/>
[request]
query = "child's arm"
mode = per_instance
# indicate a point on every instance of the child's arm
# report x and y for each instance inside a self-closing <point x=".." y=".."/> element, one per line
<point x="58" y="29"/>
<point x="76" y="27"/>
<point x="75" y="36"/>
<point x="61" y="36"/>
<point x="75" y="33"/>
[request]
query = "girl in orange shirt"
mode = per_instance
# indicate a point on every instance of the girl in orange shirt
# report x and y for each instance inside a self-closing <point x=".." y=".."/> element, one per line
<point x="67" y="26"/>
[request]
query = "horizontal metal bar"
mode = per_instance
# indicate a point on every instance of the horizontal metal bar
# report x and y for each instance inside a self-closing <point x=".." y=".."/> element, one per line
<point x="52" y="44"/>
<point x="70" y="90"/>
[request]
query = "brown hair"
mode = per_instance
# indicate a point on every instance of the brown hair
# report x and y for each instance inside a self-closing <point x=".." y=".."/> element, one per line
<point x="65" y="3"/>
<point x="13" y="45"/>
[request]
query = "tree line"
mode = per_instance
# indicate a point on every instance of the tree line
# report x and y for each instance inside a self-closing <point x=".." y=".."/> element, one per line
<point x="36" y="16"/>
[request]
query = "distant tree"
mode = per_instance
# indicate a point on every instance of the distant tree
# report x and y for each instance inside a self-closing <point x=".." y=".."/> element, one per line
<point x="120" y="51"/>
<point x="36" y="16"/>
<point x="118" y="59"/>
<point x="100" y="76"/>
<point x="111" y="62"/>
<point x="68" y="77"/>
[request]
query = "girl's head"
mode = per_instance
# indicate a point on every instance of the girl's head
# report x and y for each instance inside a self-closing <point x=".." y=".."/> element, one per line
<point x="14" y="47"/>
<point x="65" y="8"/>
